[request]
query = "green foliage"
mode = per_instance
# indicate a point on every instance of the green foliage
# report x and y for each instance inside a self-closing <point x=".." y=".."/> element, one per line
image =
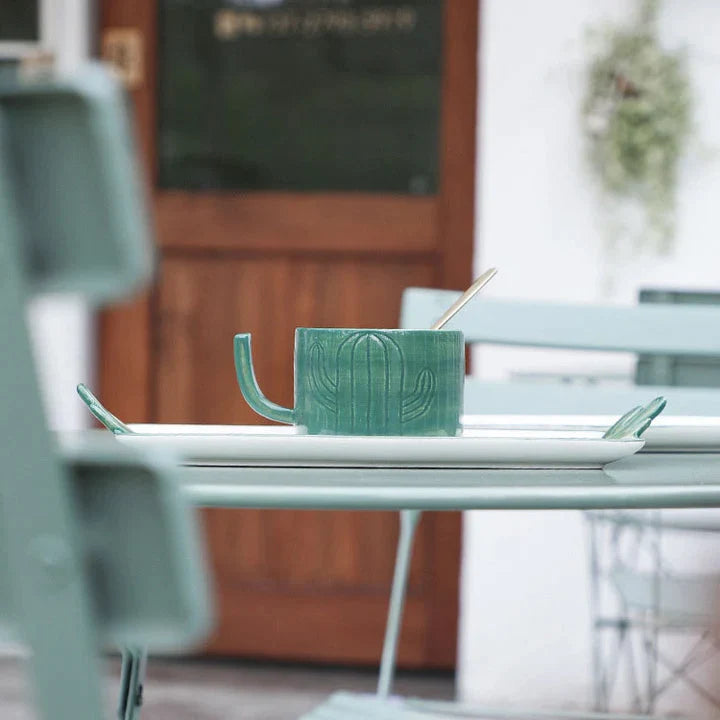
<point x="636" y="116"/>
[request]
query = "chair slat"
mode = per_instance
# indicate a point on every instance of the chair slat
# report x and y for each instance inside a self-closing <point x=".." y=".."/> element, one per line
<point x="653" y="329"/>
<point x="547" y="398"/>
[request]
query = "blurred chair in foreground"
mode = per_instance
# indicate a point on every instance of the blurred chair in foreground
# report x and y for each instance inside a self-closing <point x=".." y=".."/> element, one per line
<point x="99" y="547"/>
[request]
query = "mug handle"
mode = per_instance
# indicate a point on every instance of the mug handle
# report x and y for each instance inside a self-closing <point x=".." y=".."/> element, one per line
<point x="250" y="388"/>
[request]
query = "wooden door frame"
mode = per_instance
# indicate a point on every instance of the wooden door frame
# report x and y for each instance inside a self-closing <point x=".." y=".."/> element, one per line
<point x="125" y="371"/>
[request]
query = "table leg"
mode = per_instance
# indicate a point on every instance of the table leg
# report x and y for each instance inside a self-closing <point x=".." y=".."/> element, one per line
<point x="134" y="661"/>
<point x="408" y="523"/>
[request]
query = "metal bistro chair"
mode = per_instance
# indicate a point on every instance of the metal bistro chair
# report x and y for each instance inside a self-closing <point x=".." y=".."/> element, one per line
<point x="634" y="589"/>
<point x="652" y="330"/>
<point x="637" y="598"/>
<point x="99" y="546"/>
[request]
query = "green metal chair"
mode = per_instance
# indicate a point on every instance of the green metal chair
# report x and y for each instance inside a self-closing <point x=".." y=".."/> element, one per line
<point x="99" y="547"/>
<point x="652" y="330"/>
<point x="657" y="330"/>
<point x="651" y="599"/>
<point x="637" y="599"/>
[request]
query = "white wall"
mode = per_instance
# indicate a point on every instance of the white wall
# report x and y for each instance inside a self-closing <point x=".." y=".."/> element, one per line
<point x="524" y="636"/>
<point x="61" y="327"/>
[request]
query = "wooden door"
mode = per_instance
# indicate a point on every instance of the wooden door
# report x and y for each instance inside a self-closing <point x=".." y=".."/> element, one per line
<point x="292" y="585"/>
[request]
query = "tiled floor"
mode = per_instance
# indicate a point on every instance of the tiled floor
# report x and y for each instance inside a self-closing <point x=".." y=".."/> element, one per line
<point x="224" y="690"/>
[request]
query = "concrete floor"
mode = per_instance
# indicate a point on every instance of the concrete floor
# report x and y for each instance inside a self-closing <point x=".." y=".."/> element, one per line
<point x="226" y="690"/>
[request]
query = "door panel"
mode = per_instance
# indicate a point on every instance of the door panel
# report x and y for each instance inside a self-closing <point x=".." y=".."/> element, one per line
<point x="333" y="223"/>
<point x="203" y="302"/>
<point x="349" y="619"/>
<point x="314" y="559"/>
<point x="265" y="260"/>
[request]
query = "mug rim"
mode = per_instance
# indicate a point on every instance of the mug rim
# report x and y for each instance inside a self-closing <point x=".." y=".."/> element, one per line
<point x="385" y="330"/>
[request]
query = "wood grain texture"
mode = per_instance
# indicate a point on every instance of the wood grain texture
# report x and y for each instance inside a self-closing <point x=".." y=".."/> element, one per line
<point x="311" y="591"/>
<point x="444" y="546"/>
<point x="124" y="362"/>
<point x="125" y="357"/>
<point x="456" y="201"/>
<point x="140" y="15"/>
<point x="203" y="302"/>
<point x="341" y="627"/>
<point x="334" y="222"/>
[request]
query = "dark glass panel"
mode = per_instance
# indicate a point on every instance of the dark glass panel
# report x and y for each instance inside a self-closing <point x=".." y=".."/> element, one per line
<point x="302" y="96"/>
<point x="19" y="21"/>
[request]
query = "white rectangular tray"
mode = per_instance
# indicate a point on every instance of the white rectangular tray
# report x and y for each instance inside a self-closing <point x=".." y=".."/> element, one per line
<point x="280" y="446"/>
<point x="668" y="433"/>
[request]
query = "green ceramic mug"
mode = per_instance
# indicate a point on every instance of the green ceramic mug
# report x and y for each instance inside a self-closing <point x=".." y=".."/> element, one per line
<point x="367" y="382"/>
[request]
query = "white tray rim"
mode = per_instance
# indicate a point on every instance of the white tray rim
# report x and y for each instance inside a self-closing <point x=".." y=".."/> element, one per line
<point x="287" y="446"/>
<point x="668" y="433"/>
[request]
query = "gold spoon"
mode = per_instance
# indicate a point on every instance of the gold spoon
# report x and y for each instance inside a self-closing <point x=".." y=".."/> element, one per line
<point x="465" y="298"/>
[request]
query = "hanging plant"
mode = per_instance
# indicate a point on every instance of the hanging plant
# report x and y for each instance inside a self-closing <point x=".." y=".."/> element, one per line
<point x="636" y="117"/>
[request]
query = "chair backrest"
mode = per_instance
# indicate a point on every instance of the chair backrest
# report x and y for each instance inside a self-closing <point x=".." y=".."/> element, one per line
<point x="96" y="544"/>
<point x="678" y="370"/>
<point x="140" y="543"/>
<point x="68" y="157"/>
<point x="652" y="329"/>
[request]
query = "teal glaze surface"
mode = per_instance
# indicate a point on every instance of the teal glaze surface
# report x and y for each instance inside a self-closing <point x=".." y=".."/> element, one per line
<point x="101" y="413"/>
<point x="367" y="382"/>
<point x="636" y="421"/>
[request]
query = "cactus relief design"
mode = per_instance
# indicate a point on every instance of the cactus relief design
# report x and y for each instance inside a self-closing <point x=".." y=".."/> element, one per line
<point x="370" y="375"/>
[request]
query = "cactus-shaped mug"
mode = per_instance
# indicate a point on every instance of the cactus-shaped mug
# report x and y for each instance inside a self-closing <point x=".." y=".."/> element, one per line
<point x="367" y="382"/>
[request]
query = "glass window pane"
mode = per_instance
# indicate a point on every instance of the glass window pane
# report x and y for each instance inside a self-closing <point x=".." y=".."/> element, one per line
<point x="302" y="96"/>
<point x="19" y="21"/>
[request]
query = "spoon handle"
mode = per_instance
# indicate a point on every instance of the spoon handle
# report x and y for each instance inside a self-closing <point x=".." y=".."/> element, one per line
<point x="465" y="298"/>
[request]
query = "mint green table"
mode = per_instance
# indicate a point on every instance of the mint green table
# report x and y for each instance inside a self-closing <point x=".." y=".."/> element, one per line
<point x="646" y="480"/>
